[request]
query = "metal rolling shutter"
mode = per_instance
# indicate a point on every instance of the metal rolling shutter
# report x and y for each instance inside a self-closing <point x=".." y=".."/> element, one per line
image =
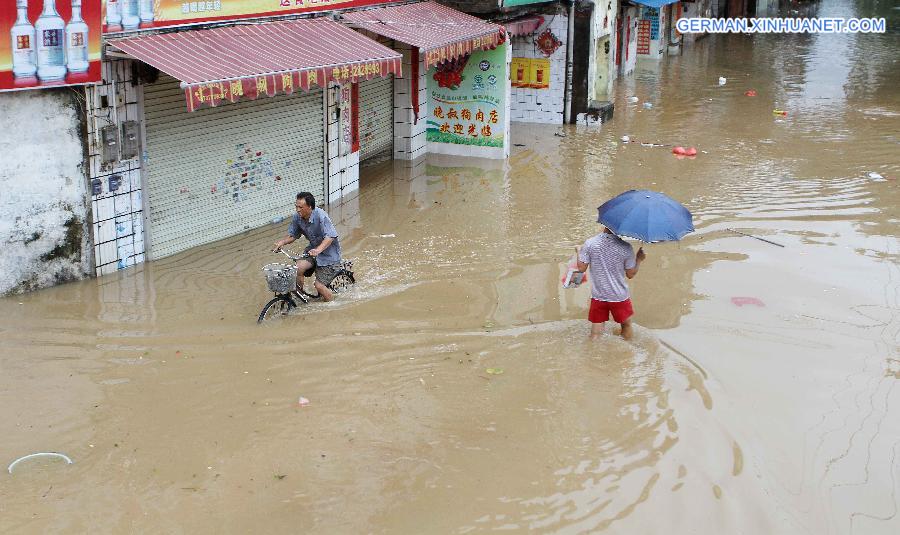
<point x="216" y="172"/>
<point x="376" y="117"/>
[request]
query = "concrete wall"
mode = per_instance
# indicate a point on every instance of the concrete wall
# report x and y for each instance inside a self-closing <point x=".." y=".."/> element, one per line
<point x="115" y="187"/>
<point x="628" y="39"/>
<point x="43" y="205"/>
<point x="603" y="62"/>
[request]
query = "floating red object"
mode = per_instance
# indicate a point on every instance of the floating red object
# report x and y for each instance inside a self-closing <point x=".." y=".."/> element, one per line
<point x="741" y="301"/>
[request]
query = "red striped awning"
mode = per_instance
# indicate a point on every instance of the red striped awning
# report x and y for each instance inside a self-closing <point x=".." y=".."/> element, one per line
<point x="441" y="32"/>
<point x="523" y="26"/>
<point x="253" y="60"/>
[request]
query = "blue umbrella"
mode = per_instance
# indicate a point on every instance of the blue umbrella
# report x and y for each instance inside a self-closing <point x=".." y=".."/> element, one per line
<point x="646" y="215"/>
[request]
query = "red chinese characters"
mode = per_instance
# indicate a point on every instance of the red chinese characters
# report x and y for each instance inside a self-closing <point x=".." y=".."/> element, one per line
<point x="213" y="93"/>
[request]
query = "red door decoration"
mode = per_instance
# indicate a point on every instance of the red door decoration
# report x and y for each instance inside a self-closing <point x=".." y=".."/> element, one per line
<point x="548" y="43"/>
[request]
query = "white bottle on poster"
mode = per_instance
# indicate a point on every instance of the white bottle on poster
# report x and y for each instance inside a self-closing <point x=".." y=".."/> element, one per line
<point x="113" y="16"/>
<point x="50" y="43"/>
<point x="130" y="14"/>
<point x="146" y="10"/>
<point x="22" y="33"/>
<point x="77" y="41"/>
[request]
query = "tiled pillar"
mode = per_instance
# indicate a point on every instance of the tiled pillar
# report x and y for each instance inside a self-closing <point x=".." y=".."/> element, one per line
<point x="116" y="200"/>
<point x="343" y="170"/>
<point x="409" y="134"/>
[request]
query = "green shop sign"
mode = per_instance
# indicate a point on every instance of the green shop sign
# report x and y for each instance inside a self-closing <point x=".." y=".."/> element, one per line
<point x="467" y="100"/>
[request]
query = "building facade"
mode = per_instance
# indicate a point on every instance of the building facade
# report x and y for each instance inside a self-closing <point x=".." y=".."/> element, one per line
<point x="192" y="128"/>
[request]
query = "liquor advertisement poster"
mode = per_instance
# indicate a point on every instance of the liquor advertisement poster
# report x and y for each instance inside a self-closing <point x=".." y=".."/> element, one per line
<point x="520" y="70"/>
<point x="539" y="77"/>
<point x="131" y="15"/>
<point x="467" y="100"/>
<point x="530" y="73"/>
<point x="47" y="43"/>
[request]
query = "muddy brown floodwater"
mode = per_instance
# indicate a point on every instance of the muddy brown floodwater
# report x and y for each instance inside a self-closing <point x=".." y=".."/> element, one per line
<point x="776" y="413"/>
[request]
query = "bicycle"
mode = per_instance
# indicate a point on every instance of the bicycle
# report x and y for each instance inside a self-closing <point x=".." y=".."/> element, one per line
<point x="282" y="279"/>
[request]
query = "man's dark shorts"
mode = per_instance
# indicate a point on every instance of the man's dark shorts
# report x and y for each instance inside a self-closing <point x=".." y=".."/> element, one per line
<point x="324" y="274"/>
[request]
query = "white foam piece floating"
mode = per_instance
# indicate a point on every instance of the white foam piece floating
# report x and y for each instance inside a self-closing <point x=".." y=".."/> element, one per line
<point x="36" y="455"/>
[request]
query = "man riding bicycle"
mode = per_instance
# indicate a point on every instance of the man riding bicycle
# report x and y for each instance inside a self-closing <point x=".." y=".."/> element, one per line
<point x="324" y="248"/>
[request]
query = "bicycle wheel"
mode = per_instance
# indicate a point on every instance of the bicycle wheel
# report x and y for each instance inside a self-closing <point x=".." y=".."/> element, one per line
<point x="277" y="307"/>
<point x="342" y="281"/>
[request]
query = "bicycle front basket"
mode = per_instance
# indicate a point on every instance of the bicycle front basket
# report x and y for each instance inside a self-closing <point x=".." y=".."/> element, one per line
<point x="281" y="278"/>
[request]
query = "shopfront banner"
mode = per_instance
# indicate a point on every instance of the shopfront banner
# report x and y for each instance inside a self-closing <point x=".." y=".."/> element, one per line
<point x="49" y="43"/>
<point x="131" y="15"/>
<point x="250" y="88"/>
<point x="467" y="100"/>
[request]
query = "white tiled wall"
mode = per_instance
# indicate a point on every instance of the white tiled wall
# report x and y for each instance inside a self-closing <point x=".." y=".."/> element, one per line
<point x="409" y="134"/>
<point x="542" y="105"/>
<point x="115" y="188"/>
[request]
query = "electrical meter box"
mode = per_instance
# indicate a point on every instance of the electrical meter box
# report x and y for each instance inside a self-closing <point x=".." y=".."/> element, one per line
<point x="109" y="143"/>
<point x="131" y="140"/>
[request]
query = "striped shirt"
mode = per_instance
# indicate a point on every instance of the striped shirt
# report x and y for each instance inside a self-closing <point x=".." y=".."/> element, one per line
<point x="609" y="256"/>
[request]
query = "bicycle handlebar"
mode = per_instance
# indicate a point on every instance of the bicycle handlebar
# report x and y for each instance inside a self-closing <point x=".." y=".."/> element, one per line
<point x="291" y="256"/>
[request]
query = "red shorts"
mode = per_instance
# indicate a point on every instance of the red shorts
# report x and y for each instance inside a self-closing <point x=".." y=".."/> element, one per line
<point x="600" y="311"/>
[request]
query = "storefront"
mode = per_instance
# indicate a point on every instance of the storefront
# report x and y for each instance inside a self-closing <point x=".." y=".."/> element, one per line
<point x="452" y="62"/>
<point x="229" y="138"/>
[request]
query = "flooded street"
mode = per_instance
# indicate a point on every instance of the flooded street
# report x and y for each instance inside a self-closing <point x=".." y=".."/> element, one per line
<point x="759" y="395"/>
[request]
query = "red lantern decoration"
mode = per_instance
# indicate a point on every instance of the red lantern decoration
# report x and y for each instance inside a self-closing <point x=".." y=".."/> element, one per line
<point x="547" y="43"/>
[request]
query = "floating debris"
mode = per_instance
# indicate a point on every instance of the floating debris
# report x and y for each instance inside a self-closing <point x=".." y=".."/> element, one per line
<point x="754" y="237"/>
<point x="741" y="301"/>
<point x="681" y="151"/>
<point x="36" y="455"/>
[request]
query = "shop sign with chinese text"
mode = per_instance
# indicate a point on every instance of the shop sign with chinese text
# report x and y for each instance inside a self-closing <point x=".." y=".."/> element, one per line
<point x="49" y="43"/>
<point x="131" y="15"/>
<point x="467" y="100"/>
<point x="250" y="88"/>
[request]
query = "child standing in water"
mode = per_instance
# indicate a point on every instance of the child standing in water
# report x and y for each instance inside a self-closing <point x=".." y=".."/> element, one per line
<point x="611" y="260"/>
